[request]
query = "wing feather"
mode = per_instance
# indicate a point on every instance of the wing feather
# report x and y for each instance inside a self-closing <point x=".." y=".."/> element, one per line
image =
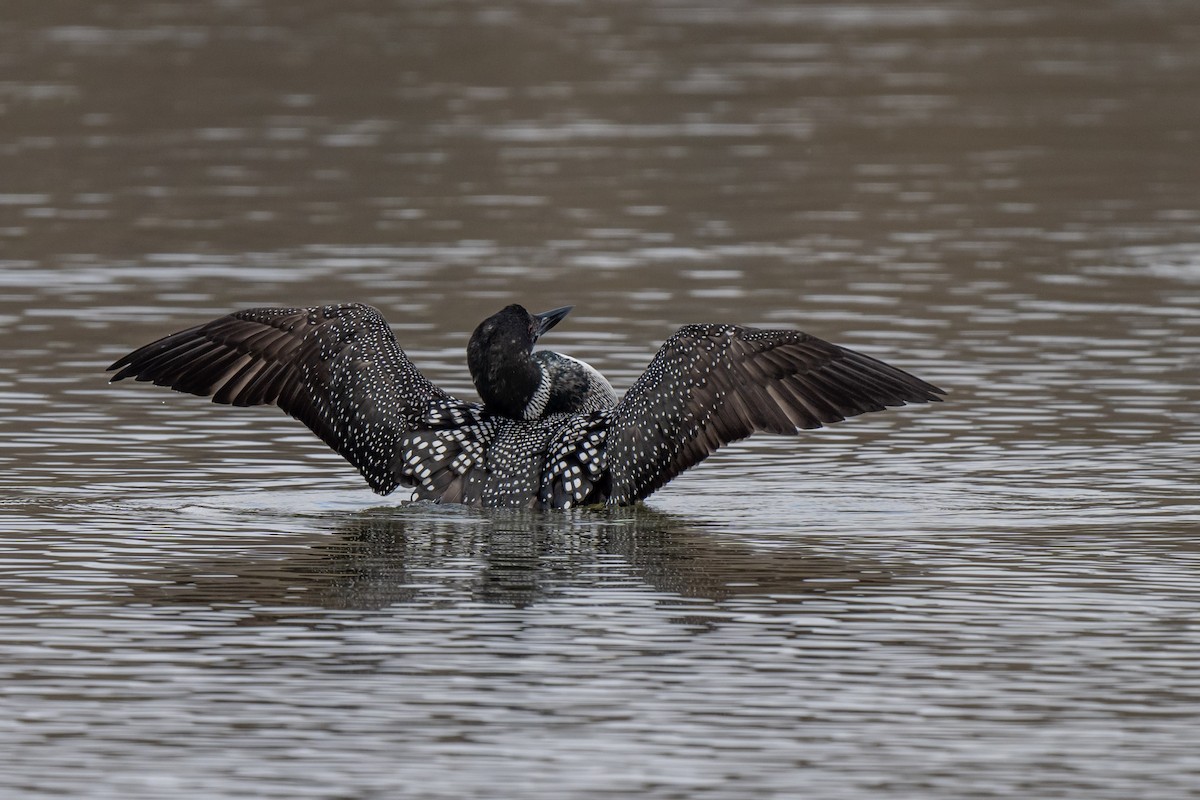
<point x="337" y="369"/>
<point x="710" y="385"/>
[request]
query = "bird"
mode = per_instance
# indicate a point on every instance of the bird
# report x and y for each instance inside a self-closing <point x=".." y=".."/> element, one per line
<point x="550" y="432"/>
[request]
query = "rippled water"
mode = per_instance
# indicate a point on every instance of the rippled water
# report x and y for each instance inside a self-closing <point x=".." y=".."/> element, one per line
<point x="994" y="597"/>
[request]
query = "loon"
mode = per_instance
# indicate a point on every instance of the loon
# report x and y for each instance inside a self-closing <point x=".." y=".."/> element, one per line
<point x="550" y="432"/>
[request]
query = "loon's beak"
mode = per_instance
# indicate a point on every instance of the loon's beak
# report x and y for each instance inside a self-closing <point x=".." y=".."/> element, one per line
<point x="548" y="319"/>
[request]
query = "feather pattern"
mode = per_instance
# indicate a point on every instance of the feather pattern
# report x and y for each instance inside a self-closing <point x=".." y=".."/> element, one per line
<point x="339" y="370"/>
<point x="710" y="385"/>
<point x="336" y="368"/>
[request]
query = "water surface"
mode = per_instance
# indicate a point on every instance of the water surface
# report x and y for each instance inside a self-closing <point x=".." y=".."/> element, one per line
<point x="993" y="597"/>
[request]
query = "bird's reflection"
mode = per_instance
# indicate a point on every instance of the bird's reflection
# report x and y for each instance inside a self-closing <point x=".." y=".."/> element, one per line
<point x="429" y="555"/>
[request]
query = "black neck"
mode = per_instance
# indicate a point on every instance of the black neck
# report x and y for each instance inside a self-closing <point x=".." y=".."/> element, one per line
<point x="505" y="382"/>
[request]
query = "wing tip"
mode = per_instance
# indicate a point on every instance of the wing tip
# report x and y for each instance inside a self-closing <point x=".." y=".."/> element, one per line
<point x="123" y="368"/>
<point x="931" y="393"/>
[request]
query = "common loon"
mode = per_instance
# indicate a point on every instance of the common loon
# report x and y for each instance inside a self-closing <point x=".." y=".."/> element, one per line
<point x="550" y="432"/>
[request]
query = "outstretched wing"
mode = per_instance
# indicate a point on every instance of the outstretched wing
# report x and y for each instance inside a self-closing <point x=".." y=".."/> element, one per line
<point x="337" y="369"/>
<point x="714" y="384"/>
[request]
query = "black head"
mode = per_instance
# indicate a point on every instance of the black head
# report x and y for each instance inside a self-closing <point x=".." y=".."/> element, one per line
<point x="498" y="356"/>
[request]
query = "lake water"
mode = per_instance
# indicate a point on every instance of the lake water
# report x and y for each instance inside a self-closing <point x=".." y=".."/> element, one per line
<point x="992" y="597"/>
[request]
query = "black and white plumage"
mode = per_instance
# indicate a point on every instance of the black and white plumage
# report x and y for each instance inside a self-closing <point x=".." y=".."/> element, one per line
<point x="550" y="433"/>
<point x="515" y="381"/>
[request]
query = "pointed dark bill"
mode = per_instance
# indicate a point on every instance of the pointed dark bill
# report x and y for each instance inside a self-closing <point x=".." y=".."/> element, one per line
<point x="548" y="319"/>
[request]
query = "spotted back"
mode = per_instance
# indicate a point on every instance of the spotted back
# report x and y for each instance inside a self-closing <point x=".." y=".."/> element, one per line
<point x="469" y="455"/>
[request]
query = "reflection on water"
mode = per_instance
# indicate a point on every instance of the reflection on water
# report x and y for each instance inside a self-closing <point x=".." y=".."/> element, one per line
<point x="990" y="598"/>
<point x="428" y="556"/>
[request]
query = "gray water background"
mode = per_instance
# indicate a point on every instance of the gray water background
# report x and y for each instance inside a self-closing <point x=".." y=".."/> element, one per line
<point x="995" y="597"/>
